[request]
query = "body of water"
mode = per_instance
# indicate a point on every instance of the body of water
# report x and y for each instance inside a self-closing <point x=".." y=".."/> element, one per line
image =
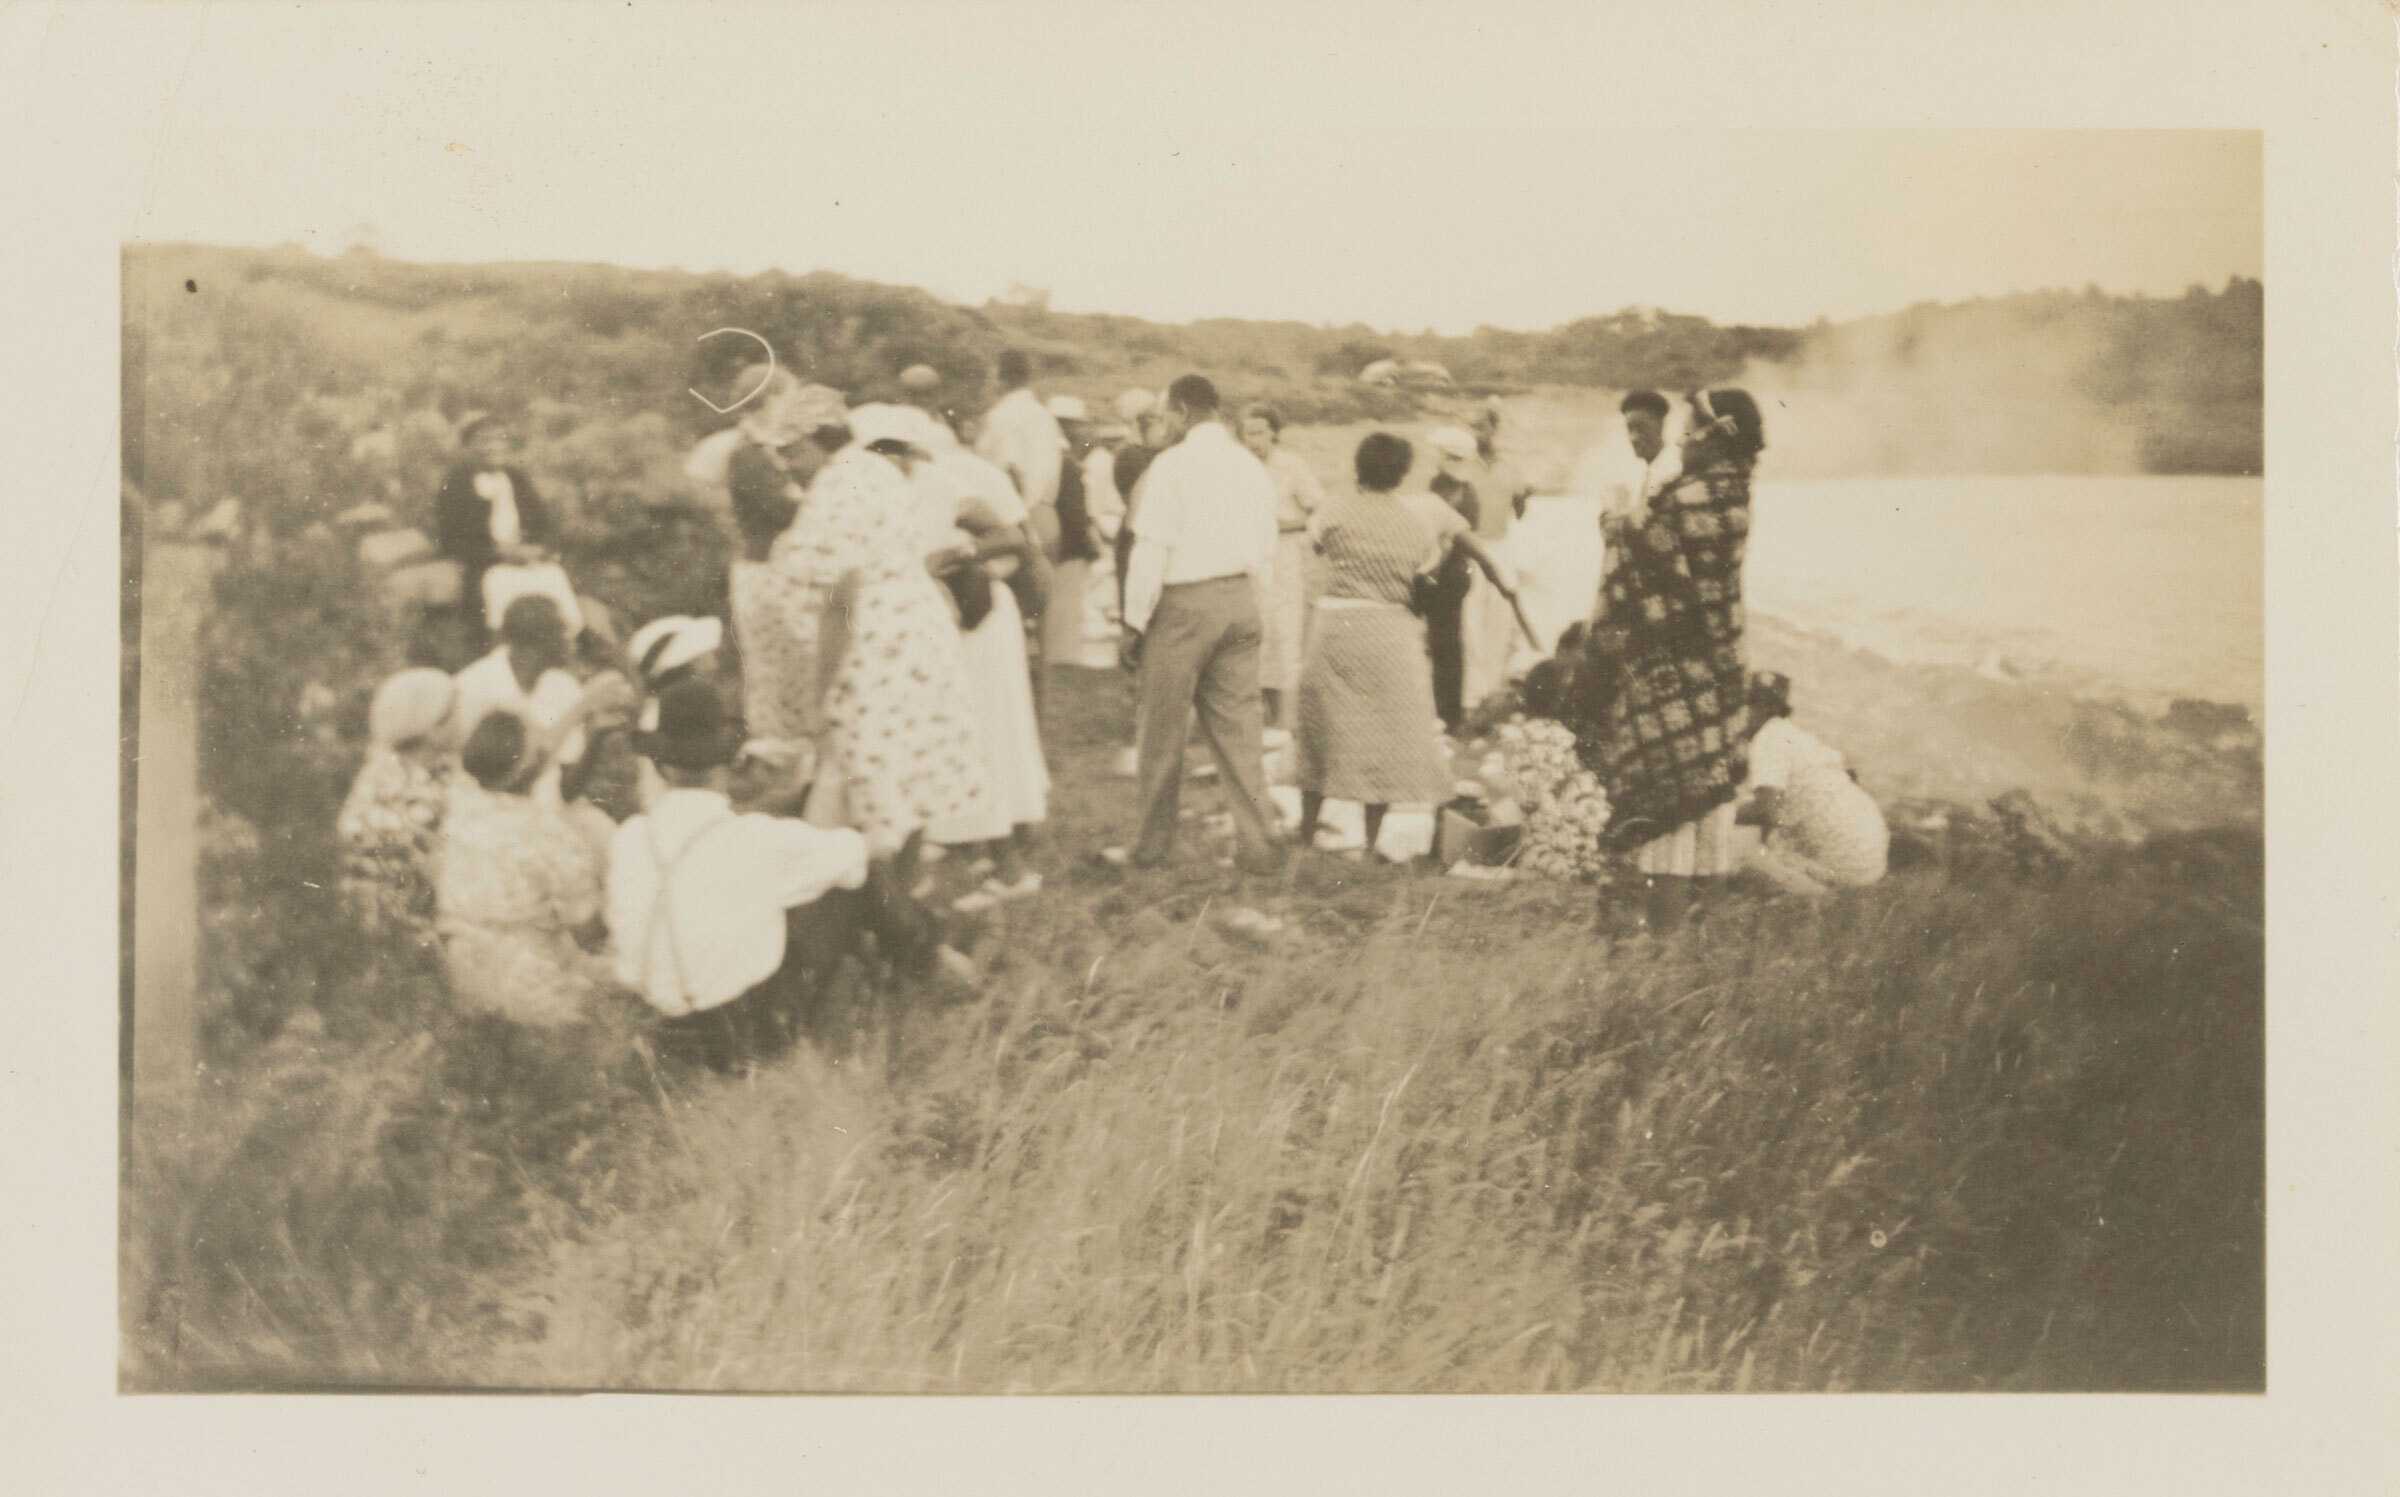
<point x="2148" y="588"/>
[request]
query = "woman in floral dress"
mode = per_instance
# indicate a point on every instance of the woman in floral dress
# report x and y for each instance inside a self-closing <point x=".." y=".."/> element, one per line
<point x="1663" y="713"/>
<point x="775" y="615"/>
<point x="520" y="888"/>
<point x="899" y="750"/>
<point x="391" y="824"/>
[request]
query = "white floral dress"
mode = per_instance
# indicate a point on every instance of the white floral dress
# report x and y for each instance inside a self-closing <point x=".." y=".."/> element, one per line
<point x="900" y="750"/>
<point x="391" y="832"/>
<point x="519" y="878"/>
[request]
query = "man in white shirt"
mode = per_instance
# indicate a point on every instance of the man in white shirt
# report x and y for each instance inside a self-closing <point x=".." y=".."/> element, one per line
<point x="1624" y="478"/>
<point x="1195" y="590"/>
<point x="727" y="924"/>
<point x="1021" y="435"/>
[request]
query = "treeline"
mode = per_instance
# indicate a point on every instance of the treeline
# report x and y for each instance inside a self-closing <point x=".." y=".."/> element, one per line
<point x="305" y="381"/>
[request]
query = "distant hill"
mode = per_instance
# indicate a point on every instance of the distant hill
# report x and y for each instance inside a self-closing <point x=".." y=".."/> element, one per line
<point x="258" y="372"/>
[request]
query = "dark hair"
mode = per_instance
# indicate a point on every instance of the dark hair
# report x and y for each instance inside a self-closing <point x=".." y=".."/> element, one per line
<point x="531" y="617"/>
<point x="763" y="510"/>
<point x="1647" y="401"/>
<point x="476" y="425"/>
<point x="1743" y="434"/>
<point x="693" y="733"/>
<point x="1383" y="460"/>
<point x="831" y="438"/>
<point x="1266" y="413"/>
<point x="1014" y="368"/>
<point x="971" y="588"/>
<point x="495" y="749"/>
<point x="1770" y="695"/>
<point x="1195" y="394"/>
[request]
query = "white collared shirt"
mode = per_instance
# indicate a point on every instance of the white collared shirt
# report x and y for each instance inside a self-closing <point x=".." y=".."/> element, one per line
<point x="489" y="685"/>
<point x="1204" y="509"/>
<point x="1615" y="475"/>
<point x="1100" y="497"/>
<point x="718" y="931"/>
<point x="494" y="488"/>
<point x="1023" y="437"/>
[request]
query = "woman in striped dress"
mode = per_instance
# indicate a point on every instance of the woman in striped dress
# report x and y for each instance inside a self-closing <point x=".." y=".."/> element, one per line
<point x="1664" y="718"/>
<point x="1368" y="732"/>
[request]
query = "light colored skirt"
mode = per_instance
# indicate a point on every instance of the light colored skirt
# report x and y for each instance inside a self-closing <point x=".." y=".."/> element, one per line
<point x="1708" y="847"/>
<point x="1490" y="626"/>
<point x="1286" y="618"/>
<point x="1366" y="722"/>
<point x="999" y="694"/>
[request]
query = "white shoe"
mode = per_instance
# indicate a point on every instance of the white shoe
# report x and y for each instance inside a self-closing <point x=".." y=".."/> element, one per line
<point x="1116" y="857"/>
<point x="1127" y="764"/>
<point x="991" y="893"/>
<point x="1000" y="893"/>
<point x="959" y="968"/>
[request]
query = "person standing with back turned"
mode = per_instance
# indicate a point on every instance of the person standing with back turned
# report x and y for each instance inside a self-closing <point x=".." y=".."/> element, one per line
<point x="1202" y="557"/>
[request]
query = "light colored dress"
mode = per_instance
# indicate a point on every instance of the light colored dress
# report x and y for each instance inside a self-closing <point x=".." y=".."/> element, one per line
<point x="1828" y="832"/>
<point x="1367" y="730"/>
<point x="1298" y="497"/>
<point x="899" y="746"/>
<point x="518" y="878"/>
<point x="775" y="622"/>
<point x="998" y="681"/>
<point x="391" y="830"/>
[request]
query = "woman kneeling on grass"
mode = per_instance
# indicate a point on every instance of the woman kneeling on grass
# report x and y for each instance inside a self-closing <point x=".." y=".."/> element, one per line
<point x="391" y="823"/>
<point x="1368" y="732"/>
<point x="1823" y="831"/>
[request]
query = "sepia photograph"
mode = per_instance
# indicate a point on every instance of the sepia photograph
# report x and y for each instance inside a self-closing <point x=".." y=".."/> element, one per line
<point x="912" y="760"/>
<point x="1057" y="740"/>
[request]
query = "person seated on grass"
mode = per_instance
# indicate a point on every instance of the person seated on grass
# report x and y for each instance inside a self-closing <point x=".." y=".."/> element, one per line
<point x="490" y="521"/>
<point x="1823" y="831"/>
<point x="519" y="890"/>
<point x="662" y="652"/>
<point x="1549" y="686"/>
<point x="390" y="826"/>
<point x="527" y="675"/>
<point x="730" y="924"/>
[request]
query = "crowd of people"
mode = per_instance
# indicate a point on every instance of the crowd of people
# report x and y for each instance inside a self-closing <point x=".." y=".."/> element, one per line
<point x="902" y="574"/>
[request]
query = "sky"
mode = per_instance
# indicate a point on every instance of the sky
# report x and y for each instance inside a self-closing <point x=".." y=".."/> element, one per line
<point x="1135" y="160"/>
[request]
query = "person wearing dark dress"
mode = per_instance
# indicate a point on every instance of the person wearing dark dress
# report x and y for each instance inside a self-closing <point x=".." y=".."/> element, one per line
<point x="487" y="512"/>
<point x="1663" y="691"/>
<point x="1446" y="609"/>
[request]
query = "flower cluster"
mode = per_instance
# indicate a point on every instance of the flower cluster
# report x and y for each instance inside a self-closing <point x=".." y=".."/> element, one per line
<point x="1565" y="807"/>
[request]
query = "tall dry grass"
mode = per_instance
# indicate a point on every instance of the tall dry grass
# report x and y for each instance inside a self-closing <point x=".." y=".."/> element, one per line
<point x="1956" y="1132"/>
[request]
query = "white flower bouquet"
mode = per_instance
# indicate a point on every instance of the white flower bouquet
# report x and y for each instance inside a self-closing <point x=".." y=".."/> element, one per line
<point x="1534" y="764"/>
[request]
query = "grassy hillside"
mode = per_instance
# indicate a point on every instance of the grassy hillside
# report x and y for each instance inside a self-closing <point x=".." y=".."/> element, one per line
<point x="1972" y="1129"/>
<point x="1985" y="1126"/>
